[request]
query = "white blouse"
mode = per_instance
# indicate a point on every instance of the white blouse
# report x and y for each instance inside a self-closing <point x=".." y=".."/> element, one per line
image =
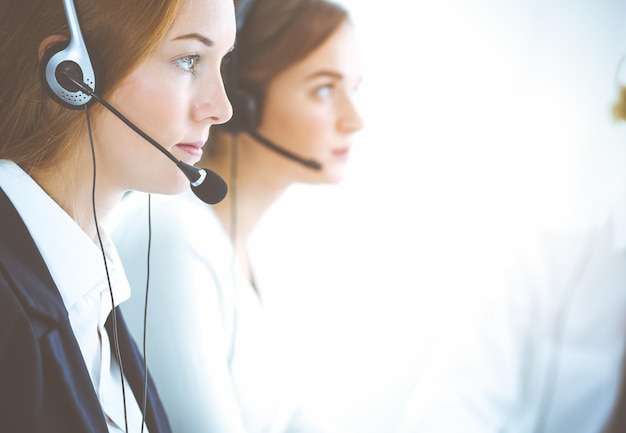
<point x="209" y="350"/>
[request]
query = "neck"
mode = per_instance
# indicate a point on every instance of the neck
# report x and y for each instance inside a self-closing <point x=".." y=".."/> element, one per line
<point x="253" y="189"/>
<point x="71" y="187"/>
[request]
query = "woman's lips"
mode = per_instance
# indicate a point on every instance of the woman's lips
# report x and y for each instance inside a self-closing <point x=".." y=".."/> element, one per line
<point x="342" y="153"/>
<point x="192" y="149"/>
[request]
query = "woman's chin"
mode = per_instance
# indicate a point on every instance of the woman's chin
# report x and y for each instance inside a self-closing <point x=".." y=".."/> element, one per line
<point x="174" y="186"/>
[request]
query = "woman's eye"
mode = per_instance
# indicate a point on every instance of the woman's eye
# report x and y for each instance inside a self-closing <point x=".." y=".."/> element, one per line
<point x="188" y="63"/>
<point x="324" y="92"/>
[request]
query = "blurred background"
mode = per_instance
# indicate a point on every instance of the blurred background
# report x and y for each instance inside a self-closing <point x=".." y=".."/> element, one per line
<point x="485" y="121"/>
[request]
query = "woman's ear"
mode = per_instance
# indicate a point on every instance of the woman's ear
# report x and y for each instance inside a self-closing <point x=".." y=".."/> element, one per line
<point x="48" y="42"/>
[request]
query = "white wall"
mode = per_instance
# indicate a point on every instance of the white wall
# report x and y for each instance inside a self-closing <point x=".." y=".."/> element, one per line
<point x="484" y="119"/>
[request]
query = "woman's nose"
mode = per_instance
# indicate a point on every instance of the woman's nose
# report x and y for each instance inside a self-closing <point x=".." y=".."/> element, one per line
<point x="351" y="120"/>
<point x="213" y="104"/>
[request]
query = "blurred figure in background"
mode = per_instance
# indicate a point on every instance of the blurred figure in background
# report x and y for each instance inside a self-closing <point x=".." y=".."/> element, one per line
<point x="545" y="353"/>
<point x="291" y="80"/>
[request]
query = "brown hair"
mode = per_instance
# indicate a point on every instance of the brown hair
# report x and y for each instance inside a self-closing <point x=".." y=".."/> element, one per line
<point x="276" y="34"/>
<point x="619" y="108"/>
<point x="34" y="130"/>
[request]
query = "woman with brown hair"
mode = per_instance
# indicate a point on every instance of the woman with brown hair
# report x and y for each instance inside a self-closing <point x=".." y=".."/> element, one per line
<point x="291" y="80"/>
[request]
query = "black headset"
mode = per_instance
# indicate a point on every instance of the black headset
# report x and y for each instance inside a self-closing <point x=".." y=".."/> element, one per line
<point x="245" y="106"/>
<point x="70" y="58"/>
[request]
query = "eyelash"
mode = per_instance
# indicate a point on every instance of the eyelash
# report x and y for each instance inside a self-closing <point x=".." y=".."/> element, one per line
<point x="194" y="58"/>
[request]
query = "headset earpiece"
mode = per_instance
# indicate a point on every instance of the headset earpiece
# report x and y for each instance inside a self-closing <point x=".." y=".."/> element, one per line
<point x="71" y="58"/>
<point x="56" y="63"/>
<point x="246" y="114"/>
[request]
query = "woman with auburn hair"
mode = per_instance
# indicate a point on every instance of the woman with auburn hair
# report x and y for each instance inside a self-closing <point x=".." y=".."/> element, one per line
<point x="68" y="361"/>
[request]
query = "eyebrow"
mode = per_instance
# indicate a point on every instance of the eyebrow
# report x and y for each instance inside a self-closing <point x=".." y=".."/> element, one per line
<point x="197" y="36"/>
<point x="325" y="73"/>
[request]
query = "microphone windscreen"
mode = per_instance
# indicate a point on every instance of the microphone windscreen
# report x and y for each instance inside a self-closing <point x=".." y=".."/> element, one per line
<point x="212" y="190"/>
<point x="206" y="184"/>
